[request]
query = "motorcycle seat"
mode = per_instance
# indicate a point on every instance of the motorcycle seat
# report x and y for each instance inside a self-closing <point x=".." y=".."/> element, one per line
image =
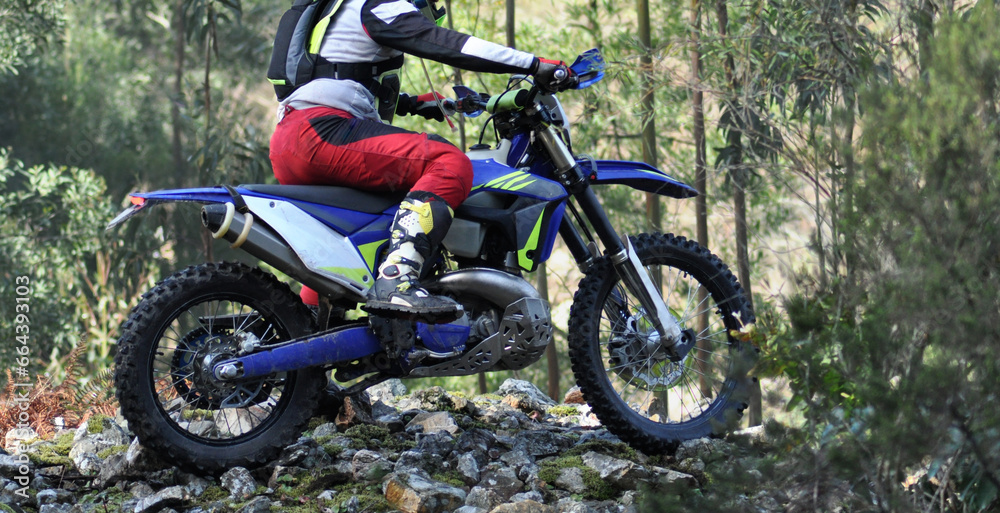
<point x="332" y="196"/>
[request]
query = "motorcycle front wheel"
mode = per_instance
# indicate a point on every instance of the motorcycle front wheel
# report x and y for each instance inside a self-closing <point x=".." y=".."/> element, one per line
<point x="624" y="372"/>
<point x="169" y="346"/>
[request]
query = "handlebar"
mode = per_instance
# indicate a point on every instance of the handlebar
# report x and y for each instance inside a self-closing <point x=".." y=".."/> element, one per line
<point x="507" y="101"/>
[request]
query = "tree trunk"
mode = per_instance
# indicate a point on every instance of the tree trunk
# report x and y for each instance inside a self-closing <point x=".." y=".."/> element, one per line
<point x="700" y="182"/>
<point x="550" y="352"/>
<point x="739" y="175"/>
<point x="649" y="154"/>
<point x="180" y="167"/>
<point x="458" y="81"/>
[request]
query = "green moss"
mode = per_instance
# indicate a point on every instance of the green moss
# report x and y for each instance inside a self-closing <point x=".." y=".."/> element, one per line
<point x="112" y="450"/>
<point x="370" y="498"/>
<point x="596" y="488"/>
<point x="452" y="477"/>
<point x="316" y="422"/>
<point x="616" y="449"/>
<point x="55" y="453"/>
<point x="109" y="499"/>
<point x="197" y="414"/>
<point x="366" y="436"/>
<point x="469" y="423"/>
<point x="213" y="494"/>
<point x="95" y="425"/>
<point x="564" y="411"/>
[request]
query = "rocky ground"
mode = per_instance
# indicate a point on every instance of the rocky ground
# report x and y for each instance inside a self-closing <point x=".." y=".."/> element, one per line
<point x="427" y="452"/>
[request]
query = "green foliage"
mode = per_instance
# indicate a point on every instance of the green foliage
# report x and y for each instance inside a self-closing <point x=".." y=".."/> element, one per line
<point x="52" y="234"/>
<point x="28" y="27"/>
<point x="892" y="361"/>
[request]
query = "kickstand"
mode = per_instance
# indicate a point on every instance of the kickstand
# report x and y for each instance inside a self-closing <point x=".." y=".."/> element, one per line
<point x="324" y="309"/>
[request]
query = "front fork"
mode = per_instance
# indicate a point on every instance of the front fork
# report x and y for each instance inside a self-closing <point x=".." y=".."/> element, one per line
<point x="630" y="269"/>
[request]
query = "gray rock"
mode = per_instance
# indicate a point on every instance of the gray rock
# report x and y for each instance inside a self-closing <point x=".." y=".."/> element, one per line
<point x="571" y="479"/>
<point x="440" y="443"/>
<point x="529" y="473"/>
<point x="239" y="483"/>
<point x="691" y="466"/>
<point x="484" y="498"/>
<point x="84" y="453"/>
<point x="434" y="423"/>
<point x="528" y="506"/>
<point x="705" y="449"/>
<point x="503" y="481"/>
<point x="622" y="473"/>
<point x="387" y="391"/>
<point x="88" y="464"/>
<point x="516" y="459"/>
<point x="141" y="490"/>
<point x="572" y="506"/>
<point x="629" y="498"/>
<point x="55" y="508"/>
<point x="352" y="505"/>
<point x="528" y="496"/>
<point x="410" y="461"/>
<point x="471" y="509"/>
<point x="524" y="396"/>
<point x="166" y="498"/>
<point x="672" y="480"/>
<point x="13" y="466"/>
<point x="540" y="443"/>
<point x="15" y="495"/>
<point x="195" y="485"/>
<point x="112" y="470"/>
<point x="325" y="430"/>
<point x="476" y="442"/>
<point x="55" y="496"/>
<point x="370" y="466"/>
<point x="417" y="492"/>
<point x="468" y="468"/>
<point x="278" y="475"/>
<point x="305" y="453"/>
<point x="257" y="505"/>
<point x="142" y="459"/>
<point x="393" y="422"/>
<point x="15" y="438"/>
<point x="113" y="434"/>
<point x="327" y="495"/>
<point x="752" y="436"/>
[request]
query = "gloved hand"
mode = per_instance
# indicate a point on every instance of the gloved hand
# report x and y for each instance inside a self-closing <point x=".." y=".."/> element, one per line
<point x="554" y="76"/>
<point x="425" y="105"/>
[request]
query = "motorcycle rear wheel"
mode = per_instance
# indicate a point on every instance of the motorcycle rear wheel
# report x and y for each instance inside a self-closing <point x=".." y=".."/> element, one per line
<point x="166" y="352"/>
<point x="634" y="389"/>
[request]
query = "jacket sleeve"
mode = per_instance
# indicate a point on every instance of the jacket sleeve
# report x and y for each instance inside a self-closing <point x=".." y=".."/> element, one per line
<point x="399" y="25"/>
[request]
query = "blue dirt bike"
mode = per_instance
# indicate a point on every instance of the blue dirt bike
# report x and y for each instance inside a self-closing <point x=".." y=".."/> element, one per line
<point x="222" y="365"/>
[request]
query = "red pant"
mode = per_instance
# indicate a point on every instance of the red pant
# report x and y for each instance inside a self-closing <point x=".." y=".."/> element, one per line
<point x="325" y="146"/>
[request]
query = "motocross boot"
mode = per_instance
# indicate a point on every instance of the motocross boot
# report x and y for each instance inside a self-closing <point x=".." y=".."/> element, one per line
<point x="420" y="224"/>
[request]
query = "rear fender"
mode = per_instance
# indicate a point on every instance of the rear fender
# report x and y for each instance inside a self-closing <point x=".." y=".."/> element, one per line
<point x="140" y="201"/>
<point x="637" y="175"/>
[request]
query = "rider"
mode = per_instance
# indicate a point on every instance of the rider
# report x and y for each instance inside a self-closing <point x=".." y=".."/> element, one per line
<point x="334" y="131"/>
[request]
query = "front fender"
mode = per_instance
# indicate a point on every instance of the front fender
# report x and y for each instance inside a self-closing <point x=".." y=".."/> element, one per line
<point x="637" y="175"/>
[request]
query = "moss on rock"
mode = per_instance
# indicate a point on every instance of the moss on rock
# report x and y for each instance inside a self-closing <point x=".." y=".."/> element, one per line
<point x="596" y="488"/>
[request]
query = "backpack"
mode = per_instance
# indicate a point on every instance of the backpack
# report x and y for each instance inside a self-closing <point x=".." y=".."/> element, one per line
<point x="296" y="45"/>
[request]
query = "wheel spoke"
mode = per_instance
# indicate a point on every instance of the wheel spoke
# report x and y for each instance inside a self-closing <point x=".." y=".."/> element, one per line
<point x="618" y="337"/>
